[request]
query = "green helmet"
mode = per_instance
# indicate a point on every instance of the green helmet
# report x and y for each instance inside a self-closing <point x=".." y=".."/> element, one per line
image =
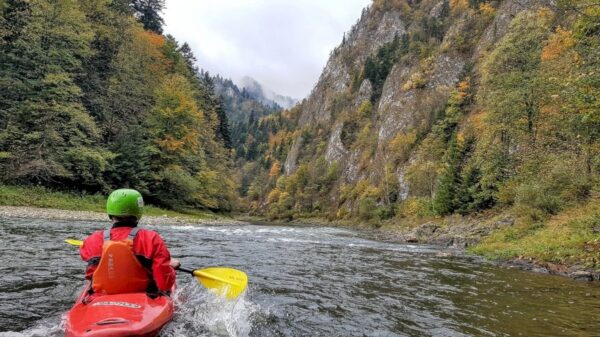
<point x="123" y="202"/>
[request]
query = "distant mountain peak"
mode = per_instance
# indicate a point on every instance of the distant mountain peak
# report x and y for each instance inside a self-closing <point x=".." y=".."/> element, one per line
<point x="266" y="95"/>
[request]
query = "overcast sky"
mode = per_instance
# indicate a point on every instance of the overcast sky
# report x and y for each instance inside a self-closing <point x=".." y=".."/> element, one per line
<point x="284" y="44"/>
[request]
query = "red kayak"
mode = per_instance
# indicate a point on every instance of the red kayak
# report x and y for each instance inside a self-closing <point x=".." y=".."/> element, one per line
<point x="120" y="315"/>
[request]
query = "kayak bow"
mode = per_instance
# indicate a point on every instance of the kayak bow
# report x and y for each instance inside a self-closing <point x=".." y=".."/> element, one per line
<point x="119" y="315"/>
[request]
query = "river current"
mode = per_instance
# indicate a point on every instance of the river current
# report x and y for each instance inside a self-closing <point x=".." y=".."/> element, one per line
<point x="304" y="281"/>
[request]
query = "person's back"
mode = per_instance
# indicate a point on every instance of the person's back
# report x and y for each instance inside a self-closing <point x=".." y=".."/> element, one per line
<point x="126" y="258"/>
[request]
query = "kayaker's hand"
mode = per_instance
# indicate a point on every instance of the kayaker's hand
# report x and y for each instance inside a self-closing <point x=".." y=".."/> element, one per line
<point x="175" y="263"/>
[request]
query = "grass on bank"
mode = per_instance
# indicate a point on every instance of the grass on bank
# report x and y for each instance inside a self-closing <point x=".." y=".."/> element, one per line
<point x="571" y="237"/>
<point x="45" y="198"/>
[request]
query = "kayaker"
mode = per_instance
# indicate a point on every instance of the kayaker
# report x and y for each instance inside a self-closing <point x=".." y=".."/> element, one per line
<point x="126" y="258"/>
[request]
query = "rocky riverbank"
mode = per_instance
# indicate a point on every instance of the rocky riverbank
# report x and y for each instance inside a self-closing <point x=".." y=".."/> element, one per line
<point x="57" y="214"/>
<point x="458" y="234"/>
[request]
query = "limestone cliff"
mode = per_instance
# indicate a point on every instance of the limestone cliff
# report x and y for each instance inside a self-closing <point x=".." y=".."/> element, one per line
<point x="436" y="109"/>
<point x="404" y="105"/>
<point x="429" y="108"/>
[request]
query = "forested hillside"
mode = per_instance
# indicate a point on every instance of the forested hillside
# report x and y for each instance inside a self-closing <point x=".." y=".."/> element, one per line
<point x="93" y="97"/>
<point x="438" y="107"/>
<point x="255" y="124"/>
<point x="243" y="111"/>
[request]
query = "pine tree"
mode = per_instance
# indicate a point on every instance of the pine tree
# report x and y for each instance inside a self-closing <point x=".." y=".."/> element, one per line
<point x="189" y="57"/>
<point x="149" y="13"/>
<point x="445" y="199"/>
<point x="89" y="100"/>
<point x="131" y="167"/>
<point x="223" y="127"/>
<point x="215" y="103"/>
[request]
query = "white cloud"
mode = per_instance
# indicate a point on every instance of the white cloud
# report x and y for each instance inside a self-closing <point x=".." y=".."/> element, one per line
<point x="283" y="44"/>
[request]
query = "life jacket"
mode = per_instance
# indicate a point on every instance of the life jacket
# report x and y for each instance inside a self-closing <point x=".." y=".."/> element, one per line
<point x="119" y="270"/>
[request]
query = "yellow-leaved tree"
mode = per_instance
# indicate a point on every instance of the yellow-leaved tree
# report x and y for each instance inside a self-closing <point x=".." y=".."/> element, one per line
<point x="176" y="150"/>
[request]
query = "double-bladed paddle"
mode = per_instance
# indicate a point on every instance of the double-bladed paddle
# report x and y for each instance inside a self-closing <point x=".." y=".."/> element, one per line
<point x="228" y="282"/>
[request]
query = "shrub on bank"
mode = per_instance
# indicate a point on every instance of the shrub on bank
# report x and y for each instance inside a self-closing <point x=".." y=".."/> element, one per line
<point x="570" y="237"/>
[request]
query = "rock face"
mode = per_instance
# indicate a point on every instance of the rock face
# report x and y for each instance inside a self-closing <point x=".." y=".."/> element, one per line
<point x="399" y="109"/>
<point x="415" y="89"/>
<point x="335" y="148"/>
<point x="371" y="32"/>
<point x="403" y="110"/>
<point x="292" y="158"/>
<point x="364" y="93"/>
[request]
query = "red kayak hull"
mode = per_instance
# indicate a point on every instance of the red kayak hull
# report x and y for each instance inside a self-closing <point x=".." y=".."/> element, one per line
<point x="121" y="315"/>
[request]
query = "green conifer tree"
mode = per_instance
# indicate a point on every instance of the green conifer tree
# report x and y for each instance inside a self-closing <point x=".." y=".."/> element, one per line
<point x="149" y="13"/>
<point x="448" y="185"/>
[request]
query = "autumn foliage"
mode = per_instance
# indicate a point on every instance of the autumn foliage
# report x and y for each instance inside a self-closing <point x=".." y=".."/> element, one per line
<point x="93" y="97"/>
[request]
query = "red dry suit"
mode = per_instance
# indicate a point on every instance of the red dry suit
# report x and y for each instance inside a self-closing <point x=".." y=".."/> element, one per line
<point x="149" y="264"/>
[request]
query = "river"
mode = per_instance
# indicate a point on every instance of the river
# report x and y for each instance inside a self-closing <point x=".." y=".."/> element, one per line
<point x="304" y="281"/>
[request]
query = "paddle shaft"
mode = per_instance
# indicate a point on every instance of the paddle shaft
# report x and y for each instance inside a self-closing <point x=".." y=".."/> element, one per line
<point x="190" y="271"/>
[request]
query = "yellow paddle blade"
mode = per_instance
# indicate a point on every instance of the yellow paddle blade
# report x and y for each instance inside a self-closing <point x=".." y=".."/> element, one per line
<point x="73" y="242"/>
<point x="224" y="281"/>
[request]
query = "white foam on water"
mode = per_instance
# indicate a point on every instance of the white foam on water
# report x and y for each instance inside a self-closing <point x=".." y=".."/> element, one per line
<point x="294" y="240"/>
<point x="201" y="313"/>
<point x="52" y="327"/>
<point x="220" y="229"/>
<point x="185" y="228"/>
<point x="226" y="231"/>
<point x="356" y="245"/>
<point x="276" y="230"/>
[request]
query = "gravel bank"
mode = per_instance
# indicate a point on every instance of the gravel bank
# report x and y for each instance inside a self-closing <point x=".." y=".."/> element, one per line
<point x="57" y="214"/>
